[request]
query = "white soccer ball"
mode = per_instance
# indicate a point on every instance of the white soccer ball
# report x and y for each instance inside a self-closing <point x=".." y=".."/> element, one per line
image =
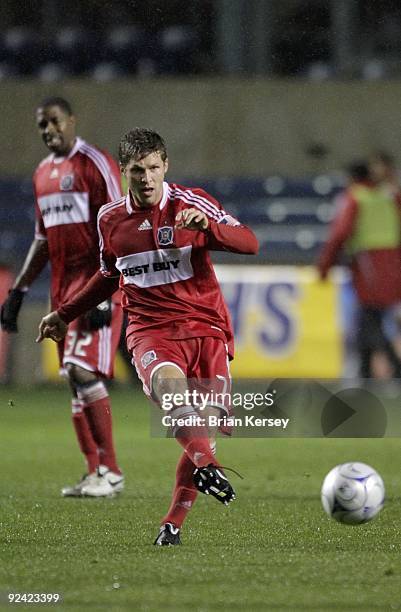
<point x="353" y="493"/>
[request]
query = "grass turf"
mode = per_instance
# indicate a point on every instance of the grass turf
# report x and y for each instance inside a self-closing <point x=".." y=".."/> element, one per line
<point x="274" y="548"/>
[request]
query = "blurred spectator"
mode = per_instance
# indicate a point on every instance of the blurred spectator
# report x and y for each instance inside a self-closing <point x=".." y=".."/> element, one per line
<point x="383" y="171"/>
<point x="368" y="226"/>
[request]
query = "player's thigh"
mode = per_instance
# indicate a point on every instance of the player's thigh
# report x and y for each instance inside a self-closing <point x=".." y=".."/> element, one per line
<point x="159" y="361"/>
<point x="92" y="350"/>
<point x="212" y="370"/>
<point x="213" y="359"/>
<point x="212" y="377"/>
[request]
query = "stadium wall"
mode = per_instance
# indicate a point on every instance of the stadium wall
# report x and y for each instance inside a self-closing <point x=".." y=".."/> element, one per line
<point x="215" y="127"/>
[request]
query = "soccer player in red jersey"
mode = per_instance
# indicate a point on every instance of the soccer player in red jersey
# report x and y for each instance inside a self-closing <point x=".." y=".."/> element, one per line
<point x="155" y="243"/>
<point x="70" y="186"/>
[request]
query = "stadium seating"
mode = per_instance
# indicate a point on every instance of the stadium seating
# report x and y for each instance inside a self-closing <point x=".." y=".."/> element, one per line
<point x="76" y="51"/>
<point x="125" y="47"/>
<point x="21" y="48"/>
<point x="76" y="48"/>
<point x="8" y="70"/>
<point x="52" y="72"/>
<point x="107" y="71"/>
<point x="302" y="40"/>
<point x="176" y="47"/>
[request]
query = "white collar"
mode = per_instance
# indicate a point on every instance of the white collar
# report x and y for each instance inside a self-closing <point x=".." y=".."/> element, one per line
<point x="77" y="145"/>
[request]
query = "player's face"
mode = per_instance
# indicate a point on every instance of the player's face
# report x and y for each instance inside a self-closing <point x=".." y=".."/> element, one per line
<point x="145" y="179"/>
<point x="56" y="128"/>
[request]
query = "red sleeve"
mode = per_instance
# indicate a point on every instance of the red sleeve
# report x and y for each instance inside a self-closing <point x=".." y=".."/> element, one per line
<point x="107" y="258"/>
<point x="96" y="291"/>
<point x="224" y="232"/>
<point x="233" y="238"/>
<point x="341" y="229"/>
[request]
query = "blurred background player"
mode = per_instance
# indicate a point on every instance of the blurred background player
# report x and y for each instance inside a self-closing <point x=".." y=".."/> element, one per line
<point x="156" y="240"/>
<point x="383" y="172"/>
<point x="367" y="227"/>
<point x="70" y="186"/>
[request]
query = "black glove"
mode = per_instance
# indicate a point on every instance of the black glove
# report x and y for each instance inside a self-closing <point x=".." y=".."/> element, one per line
<point x="100" y="315"/>
<point x="10" y="309"/>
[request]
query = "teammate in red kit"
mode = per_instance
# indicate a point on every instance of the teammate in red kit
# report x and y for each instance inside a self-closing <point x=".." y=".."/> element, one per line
<point x="70" y="186"/>
<point x="155" y="243"/>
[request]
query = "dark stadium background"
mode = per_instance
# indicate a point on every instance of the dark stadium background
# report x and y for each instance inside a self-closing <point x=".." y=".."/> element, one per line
<point x="264" y="103"/>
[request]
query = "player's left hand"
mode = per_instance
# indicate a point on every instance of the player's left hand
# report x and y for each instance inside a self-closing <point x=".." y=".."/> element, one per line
<point x="100" y="316"/>
<point x="52" y="326"/>
<point x="192" y="219"/>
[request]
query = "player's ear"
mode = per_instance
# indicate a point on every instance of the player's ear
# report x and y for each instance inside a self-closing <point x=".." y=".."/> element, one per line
<point x="73" y="121"/>
<point x="165" y="165"/>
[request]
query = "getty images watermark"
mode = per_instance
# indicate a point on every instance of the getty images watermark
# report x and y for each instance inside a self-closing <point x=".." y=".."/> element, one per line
<point x="301" y="408"/>
<point x="216" y="409"/>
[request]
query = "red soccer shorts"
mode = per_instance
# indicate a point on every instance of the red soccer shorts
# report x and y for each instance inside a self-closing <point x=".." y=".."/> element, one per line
<point x="203" y="361"/>
<point x="92" y="350"/>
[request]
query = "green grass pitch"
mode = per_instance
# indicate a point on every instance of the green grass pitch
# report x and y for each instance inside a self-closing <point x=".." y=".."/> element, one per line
<point x="272" y="549"/>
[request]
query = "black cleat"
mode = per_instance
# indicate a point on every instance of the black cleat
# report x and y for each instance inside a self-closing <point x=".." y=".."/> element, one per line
<point x="168" y="536"/>
<point x="212" y="481"/>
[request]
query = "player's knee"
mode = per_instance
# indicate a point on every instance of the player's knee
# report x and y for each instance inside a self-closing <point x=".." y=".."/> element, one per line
<point x="92" y="392"/>
<point x="79" y="376"/>
<point x="168" y="380"/>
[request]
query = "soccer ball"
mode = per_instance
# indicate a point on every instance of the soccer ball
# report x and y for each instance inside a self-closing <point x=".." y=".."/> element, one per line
<point x="353" y="493"/>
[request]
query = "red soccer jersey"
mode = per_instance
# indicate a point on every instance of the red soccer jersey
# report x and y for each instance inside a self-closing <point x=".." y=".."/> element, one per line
<point x="69" y="192"/>
<point x="169" y="287"/>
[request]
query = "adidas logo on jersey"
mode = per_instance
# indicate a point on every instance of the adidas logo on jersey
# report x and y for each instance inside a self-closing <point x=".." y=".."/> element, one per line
<point x="145" y="225"/>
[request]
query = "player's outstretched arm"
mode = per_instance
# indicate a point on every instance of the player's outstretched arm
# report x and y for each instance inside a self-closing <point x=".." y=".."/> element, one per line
<point x="55" y="324"/>
<point x="98" y="289"/>
<point x="52" y="326"/>
<point x="234" y="237"/>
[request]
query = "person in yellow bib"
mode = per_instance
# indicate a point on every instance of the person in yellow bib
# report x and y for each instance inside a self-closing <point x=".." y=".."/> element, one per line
<point x="367" y="227"/>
